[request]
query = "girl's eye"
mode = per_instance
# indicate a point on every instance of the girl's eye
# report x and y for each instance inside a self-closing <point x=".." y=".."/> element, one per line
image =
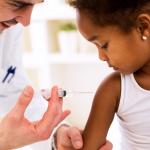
<point x="105" y="46"/>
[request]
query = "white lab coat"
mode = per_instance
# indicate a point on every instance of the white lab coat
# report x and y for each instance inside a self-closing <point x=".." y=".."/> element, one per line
<point x="11" y="55"/>
<point x="11" y="86"/>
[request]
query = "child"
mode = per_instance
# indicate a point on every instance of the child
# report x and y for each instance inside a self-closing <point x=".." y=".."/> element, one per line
<point x="120" y="29"/>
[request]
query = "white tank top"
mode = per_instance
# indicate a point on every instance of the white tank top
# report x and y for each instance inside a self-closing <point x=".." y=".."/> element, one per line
<point x="134" y="115"/>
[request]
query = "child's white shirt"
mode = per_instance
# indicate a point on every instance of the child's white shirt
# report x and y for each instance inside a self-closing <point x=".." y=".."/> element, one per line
<point x="134" y="115"/>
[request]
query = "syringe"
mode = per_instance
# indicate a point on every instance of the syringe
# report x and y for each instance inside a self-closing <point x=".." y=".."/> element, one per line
<point x="62" y="93"/>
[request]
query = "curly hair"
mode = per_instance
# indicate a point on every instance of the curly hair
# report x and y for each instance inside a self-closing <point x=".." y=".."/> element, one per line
<point x="122" y="13"/>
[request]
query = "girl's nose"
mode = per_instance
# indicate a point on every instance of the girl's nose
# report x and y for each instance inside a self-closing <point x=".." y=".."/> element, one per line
<point x="102" y="55"/>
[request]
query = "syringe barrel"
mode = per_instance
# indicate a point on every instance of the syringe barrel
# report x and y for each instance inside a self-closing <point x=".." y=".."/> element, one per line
<point x="47" y="95"/>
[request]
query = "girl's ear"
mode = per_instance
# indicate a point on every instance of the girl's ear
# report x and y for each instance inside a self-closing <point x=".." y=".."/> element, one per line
<point x="143" y="25"/>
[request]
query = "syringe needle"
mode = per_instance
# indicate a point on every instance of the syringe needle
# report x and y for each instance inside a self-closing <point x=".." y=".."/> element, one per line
<point x="80" y="92"/>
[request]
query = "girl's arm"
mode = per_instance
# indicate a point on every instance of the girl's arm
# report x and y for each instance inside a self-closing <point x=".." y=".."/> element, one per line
<point x="104" y="106"/>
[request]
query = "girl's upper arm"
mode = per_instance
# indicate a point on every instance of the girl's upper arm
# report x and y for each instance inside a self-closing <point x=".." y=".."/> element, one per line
<point x="104" y="106"/>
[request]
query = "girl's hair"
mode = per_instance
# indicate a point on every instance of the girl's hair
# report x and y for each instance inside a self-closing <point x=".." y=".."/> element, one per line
<point x="122" y="13"/>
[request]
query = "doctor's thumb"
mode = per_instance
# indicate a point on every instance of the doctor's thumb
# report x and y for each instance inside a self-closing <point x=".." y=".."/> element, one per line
<point x="23" y="101"/>
<point x="76" y="137"/>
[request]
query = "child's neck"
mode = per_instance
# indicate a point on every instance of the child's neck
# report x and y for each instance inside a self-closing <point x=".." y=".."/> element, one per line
<point x="142" y="77"/>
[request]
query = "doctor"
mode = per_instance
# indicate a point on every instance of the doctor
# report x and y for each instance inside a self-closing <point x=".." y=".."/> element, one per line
<point x="15" y="130"/>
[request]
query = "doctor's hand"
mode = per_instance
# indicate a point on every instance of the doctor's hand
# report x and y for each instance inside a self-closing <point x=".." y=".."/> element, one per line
<point x="69" y="138"/>
<point x="16" y="131"/>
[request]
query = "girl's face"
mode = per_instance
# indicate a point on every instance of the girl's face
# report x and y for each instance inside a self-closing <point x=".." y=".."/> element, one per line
<point x="125" y="52"/>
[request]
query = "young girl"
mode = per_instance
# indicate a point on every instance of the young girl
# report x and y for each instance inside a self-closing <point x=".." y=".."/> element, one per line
<point x="120" y="29"/>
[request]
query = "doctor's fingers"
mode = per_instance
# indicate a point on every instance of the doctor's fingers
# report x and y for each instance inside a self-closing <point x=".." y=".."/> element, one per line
<point x="23" y="101"/>
<point x="49" y="121"/>
<point x="54" y="113"/>
<point x="75" y="135"/>
<point x="55" y="107"/>
<point x="46" y="125"/>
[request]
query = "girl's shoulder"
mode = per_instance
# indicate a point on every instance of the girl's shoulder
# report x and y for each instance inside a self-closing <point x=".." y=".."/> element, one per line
<point x="110" y="89"/>
<point x="114" y="77"/>
<point x="112" y="81"/>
